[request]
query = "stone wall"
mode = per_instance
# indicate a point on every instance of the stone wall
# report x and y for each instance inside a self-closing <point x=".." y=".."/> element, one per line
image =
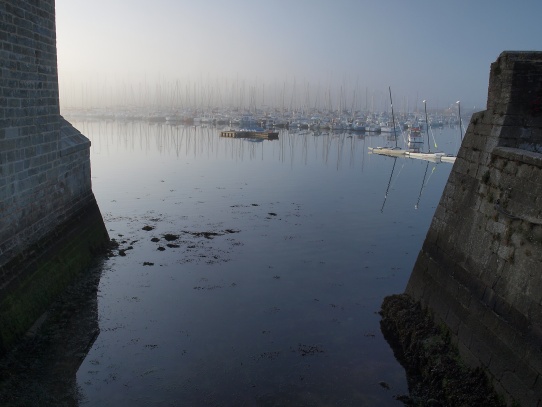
<point x="44" y="161"/>
<point x="480" y="268"/>
<point x="30" y="123"/>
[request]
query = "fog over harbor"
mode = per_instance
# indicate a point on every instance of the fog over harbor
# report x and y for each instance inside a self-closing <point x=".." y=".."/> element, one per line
<point x="285" y="54"/>
<point x="262" y="193"/>
<point x="252" y="271"/>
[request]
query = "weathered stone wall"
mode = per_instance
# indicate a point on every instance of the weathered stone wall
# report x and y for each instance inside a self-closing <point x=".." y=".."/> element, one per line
<point x="480" y="268"/>
<point x="44" y="161"/>
<point x="30" y="123"/>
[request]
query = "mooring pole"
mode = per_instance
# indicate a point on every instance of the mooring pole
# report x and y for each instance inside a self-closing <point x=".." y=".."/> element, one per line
<point x="460" y="126"/>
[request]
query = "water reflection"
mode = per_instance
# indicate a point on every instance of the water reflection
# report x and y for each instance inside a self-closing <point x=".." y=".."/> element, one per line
<point x="424" y="182"/>
<point x="389" y="184"/>
<point x="42" y="370"/>
<point x="253" y="271"/>
<point x="331" y="148"/>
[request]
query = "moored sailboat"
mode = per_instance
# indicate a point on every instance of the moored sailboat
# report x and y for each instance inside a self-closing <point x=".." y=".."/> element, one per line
<point x="428" y="155"/>
<point x="391" y="151"/>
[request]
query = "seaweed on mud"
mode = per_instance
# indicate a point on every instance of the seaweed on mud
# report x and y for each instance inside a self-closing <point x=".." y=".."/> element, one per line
<point x="435" y="373"/>
<point x="210" y="235"/>
<point x="170" y="237"/>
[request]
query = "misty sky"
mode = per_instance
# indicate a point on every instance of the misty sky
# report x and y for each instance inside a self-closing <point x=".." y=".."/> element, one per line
<point x="435" y="50"/>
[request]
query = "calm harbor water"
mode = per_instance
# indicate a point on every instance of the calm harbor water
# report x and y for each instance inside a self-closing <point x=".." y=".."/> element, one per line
<point x="254" y="271"/>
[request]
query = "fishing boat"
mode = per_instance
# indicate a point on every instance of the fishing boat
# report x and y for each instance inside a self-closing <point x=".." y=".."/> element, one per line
<point x="415" y="127"/>
<point x="415" y="138"/>
<point x="415" y="133"/>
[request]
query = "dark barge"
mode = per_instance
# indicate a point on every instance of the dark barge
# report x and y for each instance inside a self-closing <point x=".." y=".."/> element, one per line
<point x="259" y="134"/>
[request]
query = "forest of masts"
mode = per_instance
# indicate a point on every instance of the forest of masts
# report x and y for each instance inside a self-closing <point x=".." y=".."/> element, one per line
<point x="163" y="97"/>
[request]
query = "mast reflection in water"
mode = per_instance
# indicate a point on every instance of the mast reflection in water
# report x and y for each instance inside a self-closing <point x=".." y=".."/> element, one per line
<point x="251" y="273"/>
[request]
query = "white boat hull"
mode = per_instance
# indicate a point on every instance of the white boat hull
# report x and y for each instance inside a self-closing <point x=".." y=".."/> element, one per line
<point x="448" y="159"/>
<point x="393" y="152"/>
<point x="434" y="157"/>
<point x="398" y="152"/>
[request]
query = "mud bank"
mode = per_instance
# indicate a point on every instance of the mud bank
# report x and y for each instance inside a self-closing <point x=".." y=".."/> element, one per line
<point x="435" y="374"/>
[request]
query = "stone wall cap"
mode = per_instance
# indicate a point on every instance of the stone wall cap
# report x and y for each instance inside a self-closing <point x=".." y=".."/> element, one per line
<point x="521" y="55"/>
<point x="516" y="154"/>
<point x="71" y="139"/>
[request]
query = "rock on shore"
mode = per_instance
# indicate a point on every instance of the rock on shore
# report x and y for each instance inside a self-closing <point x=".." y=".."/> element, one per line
<point x="435" y="374"/>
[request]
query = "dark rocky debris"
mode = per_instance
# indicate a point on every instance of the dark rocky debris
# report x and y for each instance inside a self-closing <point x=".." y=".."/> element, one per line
<point x="435" y="374"/>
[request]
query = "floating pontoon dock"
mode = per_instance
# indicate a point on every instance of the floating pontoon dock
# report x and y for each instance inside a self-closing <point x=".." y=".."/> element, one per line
<point x="268" y="135"/>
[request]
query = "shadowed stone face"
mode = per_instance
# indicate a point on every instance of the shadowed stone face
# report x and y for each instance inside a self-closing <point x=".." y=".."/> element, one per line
<point x="479" y="267"/>
<point x="50" y="225"/>
<point x="515" y="98"/>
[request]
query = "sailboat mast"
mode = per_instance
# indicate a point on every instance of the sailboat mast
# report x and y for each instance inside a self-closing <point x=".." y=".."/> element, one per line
<point x="427" y="126"/>
<point x="393" y="118"/>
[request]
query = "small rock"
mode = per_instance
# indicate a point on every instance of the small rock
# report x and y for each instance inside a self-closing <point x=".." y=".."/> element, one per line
<point x="170" y="237"/>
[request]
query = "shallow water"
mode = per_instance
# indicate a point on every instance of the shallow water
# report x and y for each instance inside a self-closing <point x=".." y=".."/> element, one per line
<point x="276" y="305"/>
